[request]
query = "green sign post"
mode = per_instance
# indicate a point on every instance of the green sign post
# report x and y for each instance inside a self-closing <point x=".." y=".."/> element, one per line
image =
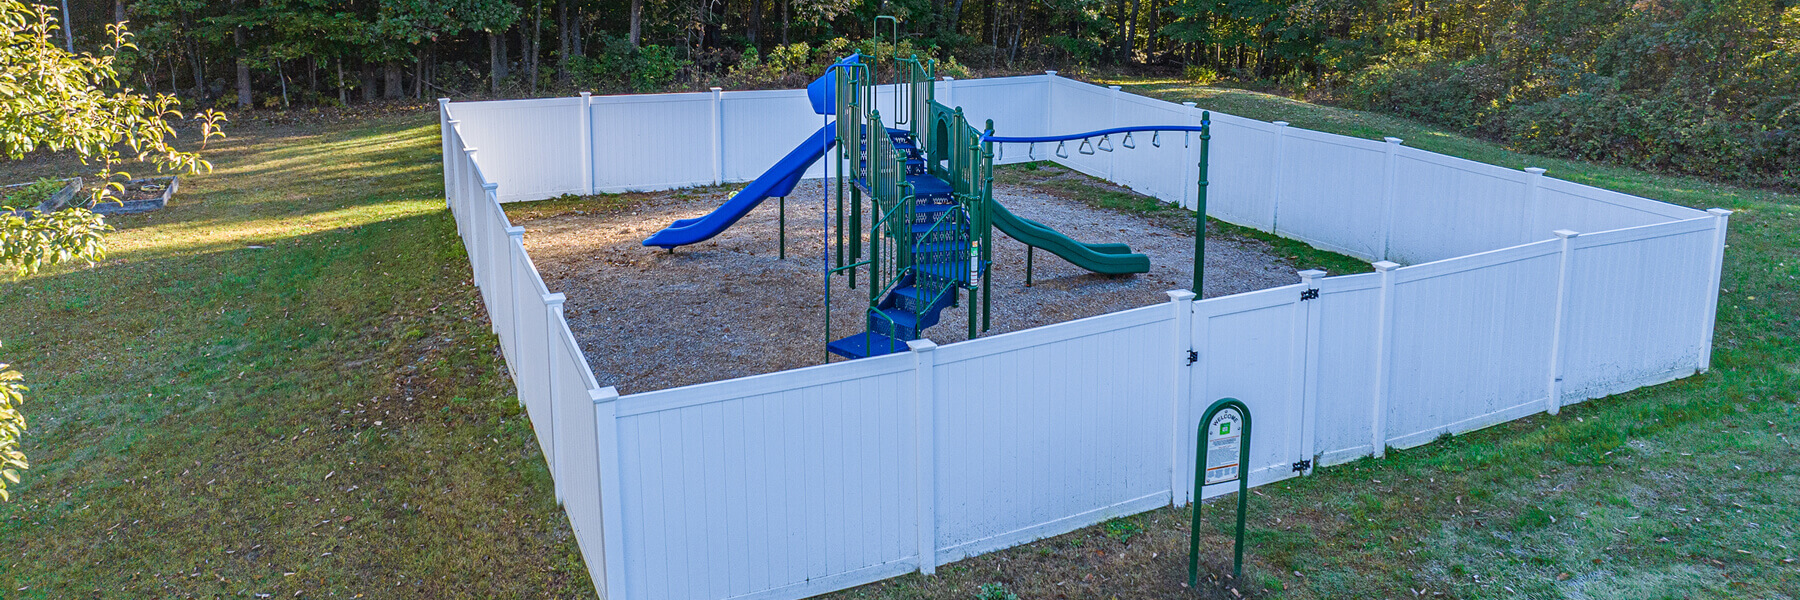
<point x="1221" y="455"/>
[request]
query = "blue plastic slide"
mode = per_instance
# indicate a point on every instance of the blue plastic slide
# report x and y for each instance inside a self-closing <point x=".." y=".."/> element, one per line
<point x="778" y="181"/>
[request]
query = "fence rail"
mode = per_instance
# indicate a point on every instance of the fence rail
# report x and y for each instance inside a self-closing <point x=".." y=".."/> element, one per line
<point x="1523" y="294"/>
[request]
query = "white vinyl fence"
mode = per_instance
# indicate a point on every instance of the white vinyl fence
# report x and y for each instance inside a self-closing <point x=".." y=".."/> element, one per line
<point x="1522" y="294"/>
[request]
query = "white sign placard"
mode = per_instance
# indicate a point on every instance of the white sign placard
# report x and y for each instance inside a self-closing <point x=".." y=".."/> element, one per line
<point x="1223" y="434"/>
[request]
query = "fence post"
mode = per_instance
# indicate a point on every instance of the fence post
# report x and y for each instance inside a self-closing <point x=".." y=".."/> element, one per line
<point x="553" y="313"/>
<point x="444" y="144"/>
<point x="1528" y="230"/>
<point x="1390" y="170"/>
<point x="1721" y="217"/>
<point x="1275" y="175"/>
<point x="1306" y="363"/>
<point x="718" y="136"/>
<point x="612" y="520"/>
<point x="924" y="429"/>
<point x="515" y="242"/>
<point x="587" y="142"/>
<point x="453" y="169"/>
<point x="1189" y="164"/>
<point x="1384" y="351"/>
<point x="1181" y="398"/>
<point x="1553" y="398"/>
<point x="949" y="94"/>
<point x="1112" y="158"/>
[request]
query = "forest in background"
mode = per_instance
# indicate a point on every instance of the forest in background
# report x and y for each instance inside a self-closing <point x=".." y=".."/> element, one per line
<point x="1702" y="87"/>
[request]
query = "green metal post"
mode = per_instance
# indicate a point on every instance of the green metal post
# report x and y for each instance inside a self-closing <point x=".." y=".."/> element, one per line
<point x="782" y="201"/>
<point x="1200" y="205"/>
<point x="856" y="231"/>
<point x="985" y="170"/>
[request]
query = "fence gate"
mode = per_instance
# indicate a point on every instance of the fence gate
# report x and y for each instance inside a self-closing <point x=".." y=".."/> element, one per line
<point x="1256" y="347"/>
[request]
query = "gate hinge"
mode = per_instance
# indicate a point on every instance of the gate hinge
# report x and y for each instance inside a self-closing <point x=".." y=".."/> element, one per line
<point x="1193" y="357"/>
<point x="1302" y="466"/>
<point x="1309" y="294"/>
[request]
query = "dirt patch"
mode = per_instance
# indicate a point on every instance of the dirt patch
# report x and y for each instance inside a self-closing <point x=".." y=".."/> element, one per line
<point x="726" y="308"/>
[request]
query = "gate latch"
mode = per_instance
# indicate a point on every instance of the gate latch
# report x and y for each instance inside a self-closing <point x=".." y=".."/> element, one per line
<point x="1193" y="357"/>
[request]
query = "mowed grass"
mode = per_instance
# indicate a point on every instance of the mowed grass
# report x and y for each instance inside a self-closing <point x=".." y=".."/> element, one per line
<point x="281" y="384"/>
<point x="1685" y="490"/>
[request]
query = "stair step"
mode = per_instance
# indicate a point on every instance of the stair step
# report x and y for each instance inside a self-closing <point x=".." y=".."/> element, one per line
<point x="863" y="345"/>
<point x="923" y="228"/>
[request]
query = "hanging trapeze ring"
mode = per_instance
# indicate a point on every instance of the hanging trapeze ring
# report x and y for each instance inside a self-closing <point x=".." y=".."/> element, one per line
<point x="1086" y="147"/>
<point x="1156" y="139"/>
<point x="1031" y="151"/>
<point x="1105" y="144"/>
<point x="1127" y="141"/>
<point x="1062" y="152"/>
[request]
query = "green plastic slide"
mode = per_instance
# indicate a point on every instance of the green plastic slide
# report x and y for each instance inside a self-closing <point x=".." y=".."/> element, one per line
<point x="1106" y="259"/>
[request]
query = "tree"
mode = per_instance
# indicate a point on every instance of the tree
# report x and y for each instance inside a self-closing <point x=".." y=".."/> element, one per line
<point x="55" y="100"/>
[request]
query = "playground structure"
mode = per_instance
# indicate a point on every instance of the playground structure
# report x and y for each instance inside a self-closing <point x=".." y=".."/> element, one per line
<point x="925" y="237"/>
<point x="1522" y="294"/>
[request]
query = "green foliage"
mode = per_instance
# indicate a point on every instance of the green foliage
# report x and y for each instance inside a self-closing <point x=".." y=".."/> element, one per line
<point x="53" y="100"/>
<point x="621" y="67"/>
<point x="36" y="240"/>
<point x="12" y="427"/>
<point x="995" y="591"/>
<point x="1122" y="529"/>
<point x="30" y="196"/>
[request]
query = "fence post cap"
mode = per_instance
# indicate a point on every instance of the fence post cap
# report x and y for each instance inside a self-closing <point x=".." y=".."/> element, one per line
<point x="949" y="78"/>
<point x="1566" y="233"/>
<point x="1393" y="140"/>
<point x="1180" y="295"/>
<point x="490" y="186"/>
<point x="921" y="345"/>
<point x="443" y="101"/>
<point x="1280" y="123"/>
<point x="554" y="299"/>
<point x="1050" y="73"/>
<point x="516" y="230"/>
<point x="1189" y="104"/>
<point x="454" y="121"/>
<point x="1113" y="87"/>
<point x="1534" y="170"/>
<point x="716" y="90"/>
<point x="1718" y="212"/>
<point x="468" y="149"/>
<point x="1385" y="265"/>
<point x="604" y="395"/>
<point x="586" y="94"/>
<point x="1311" y="274"/>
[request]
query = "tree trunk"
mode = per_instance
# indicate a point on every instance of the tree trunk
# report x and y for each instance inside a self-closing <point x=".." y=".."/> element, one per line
<point x="562" y="41"/>
<point x="1120" y="41"/>
<point x="419" y="75"/>
<point x="637" y="18"/>
<point x="369" y="82"/>
<point x="955" y="17"/>
<point x="787" y="8"/>
<point x="195" y="61"/>
<point x="243" y="69"/>
<point x="118" y="12"/>
<point x="496" y="60"/>
<point x="343" y="95"/>
<point x="992" y="23"/>
<point x="537" y="32"/>
<point x="576" y="47"/>
<point x="68" y="27"/>
<point x="754" y="31"/>
<point x="1131" y="33"/>
<point x="394" y="87"/>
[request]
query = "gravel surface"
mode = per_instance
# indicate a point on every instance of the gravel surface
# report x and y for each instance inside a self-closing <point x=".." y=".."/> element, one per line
<point x="727" y="308"/>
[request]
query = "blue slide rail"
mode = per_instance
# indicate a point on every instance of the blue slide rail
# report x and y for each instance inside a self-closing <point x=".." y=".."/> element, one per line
<point x="777" y="182"/>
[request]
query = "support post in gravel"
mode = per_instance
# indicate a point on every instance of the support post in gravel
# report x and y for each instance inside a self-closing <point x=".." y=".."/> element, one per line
<point x="1028" y="253"/>
<point x="1200" y="205"/>
<point x="782" y="243"/>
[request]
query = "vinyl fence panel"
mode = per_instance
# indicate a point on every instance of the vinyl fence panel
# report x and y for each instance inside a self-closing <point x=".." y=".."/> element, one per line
<point x="1638" y="301"/>
<point x="1248" y="345"/>
<point x="781" y="485"/>
<point x="528" y="144"/>
<point x="1045" y="431"/>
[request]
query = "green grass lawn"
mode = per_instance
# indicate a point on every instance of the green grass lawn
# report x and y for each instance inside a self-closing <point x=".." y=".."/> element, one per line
<point x="281" y="384"/>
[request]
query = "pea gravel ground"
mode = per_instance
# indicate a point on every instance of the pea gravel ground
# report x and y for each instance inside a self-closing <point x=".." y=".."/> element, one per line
<point x="728" y="307"/>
